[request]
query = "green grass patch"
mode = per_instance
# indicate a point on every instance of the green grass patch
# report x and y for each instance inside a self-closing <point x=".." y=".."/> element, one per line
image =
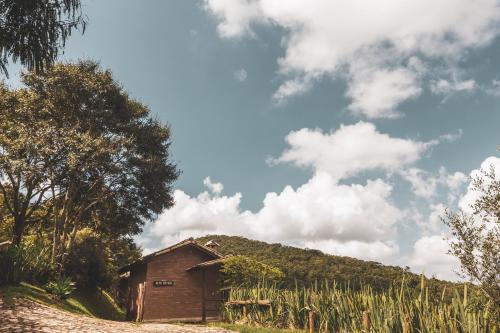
<point x="253" y="329"/>
<point x="93" y="304"/>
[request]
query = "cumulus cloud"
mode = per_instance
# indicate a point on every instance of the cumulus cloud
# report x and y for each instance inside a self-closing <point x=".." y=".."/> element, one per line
<point x="430" y="256"/>
<point x="348" y="219"/>
<point x="215" y="188"/>
<point x="376" y="92"/>
<point x="325" y="37"/>
<point x="376" y="251"/>
<point x="349" y="150"/>
<point x="357" y="220"/>
<point x="471" y="196"/>
<point x="425" y="184"/>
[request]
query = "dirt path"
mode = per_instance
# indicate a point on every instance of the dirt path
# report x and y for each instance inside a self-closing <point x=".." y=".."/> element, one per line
<point x="28" y="316"/>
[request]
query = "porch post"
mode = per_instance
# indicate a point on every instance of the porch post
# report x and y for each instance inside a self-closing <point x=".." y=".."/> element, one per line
<point x="203" y="310"/>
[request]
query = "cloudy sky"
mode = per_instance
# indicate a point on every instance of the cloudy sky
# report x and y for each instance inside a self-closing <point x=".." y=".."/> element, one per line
<point x="345" y="126"/>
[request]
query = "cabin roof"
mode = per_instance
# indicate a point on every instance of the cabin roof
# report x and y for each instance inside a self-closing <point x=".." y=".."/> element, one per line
<point x="187" y="242"/>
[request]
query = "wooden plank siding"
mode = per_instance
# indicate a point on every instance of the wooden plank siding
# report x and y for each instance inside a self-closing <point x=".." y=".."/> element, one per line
<point x="182" y="301"/>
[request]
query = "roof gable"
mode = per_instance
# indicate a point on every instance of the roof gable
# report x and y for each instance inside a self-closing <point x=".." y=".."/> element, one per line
<point x="187" y="242"/>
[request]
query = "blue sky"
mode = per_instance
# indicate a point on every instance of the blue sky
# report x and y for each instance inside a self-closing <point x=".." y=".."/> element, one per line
<point x="342" y="126"/>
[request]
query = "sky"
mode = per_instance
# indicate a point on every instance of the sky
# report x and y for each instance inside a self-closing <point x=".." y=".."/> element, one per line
<point x="346" y="127"/>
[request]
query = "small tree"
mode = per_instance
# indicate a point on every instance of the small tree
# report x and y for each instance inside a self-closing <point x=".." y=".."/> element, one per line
<point x="241" y="270"/>
<point x="476" y="236"/>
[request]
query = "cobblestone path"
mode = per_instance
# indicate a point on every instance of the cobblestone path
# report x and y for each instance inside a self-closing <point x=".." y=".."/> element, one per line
<point x="29" y="316"/>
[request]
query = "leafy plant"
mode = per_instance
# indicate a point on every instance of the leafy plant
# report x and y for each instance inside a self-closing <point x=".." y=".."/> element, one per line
<point x="242" y="270"/>
<point x="25" y="262"/>
<point x="61" y="288"/>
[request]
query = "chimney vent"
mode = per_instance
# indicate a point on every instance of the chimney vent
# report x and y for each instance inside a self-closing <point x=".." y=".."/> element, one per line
<point x="211" y="244"/>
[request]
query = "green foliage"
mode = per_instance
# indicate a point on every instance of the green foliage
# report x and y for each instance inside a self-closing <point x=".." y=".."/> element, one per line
<point x="87" y="263"/>
<point x="25" y="262"/>
<point x="61" y="288"/>
<point x="94" y="261"/>
<point x="242" y="270"/>
<point x="32" y="32"/>
<point x="77" y="152"/>
<point x="476" y="236"/>
<point x="303" y="267"/>
<point x="340" y="309"/>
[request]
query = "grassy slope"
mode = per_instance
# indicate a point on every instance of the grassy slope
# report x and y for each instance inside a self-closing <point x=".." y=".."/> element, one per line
<point x="90" y="304"/>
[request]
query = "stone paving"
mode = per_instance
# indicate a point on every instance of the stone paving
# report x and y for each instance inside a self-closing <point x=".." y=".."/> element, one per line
<point x="29" y="316"/>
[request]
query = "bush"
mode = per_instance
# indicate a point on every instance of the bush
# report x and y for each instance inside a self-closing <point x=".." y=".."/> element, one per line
<point x="61" y="288"/>
<point x="87" y="263"/>
<point x="241" y="270"/>
<point x="26" y="262"/>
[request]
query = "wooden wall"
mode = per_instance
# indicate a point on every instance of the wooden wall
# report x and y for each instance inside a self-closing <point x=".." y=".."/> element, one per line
<point x="183" y="300"/>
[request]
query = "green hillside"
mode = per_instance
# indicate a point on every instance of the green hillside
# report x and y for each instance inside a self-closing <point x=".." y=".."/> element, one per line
<point x="306" y="266"/>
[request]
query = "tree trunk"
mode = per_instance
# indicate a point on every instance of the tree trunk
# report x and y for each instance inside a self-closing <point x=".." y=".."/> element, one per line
<point x="18" y="229"/>
<point x="56" y="239"/>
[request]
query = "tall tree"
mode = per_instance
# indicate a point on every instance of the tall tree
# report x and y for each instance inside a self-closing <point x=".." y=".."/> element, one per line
<point x="476" y="236"/>
<point x="105" y="162"/>
<point x="33" y="32"/>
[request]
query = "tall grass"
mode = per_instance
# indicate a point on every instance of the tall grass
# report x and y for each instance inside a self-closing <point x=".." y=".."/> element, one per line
<point x="336" y="309"/>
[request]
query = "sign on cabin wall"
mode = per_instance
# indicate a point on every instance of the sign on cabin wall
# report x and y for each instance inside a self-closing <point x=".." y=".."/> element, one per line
<point x="163" y="283"/>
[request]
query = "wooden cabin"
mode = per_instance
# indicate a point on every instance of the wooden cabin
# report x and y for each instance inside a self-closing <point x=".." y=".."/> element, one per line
<point x="178" y="283"/>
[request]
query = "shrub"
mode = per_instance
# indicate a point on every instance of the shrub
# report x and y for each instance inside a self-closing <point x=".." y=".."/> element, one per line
<point x="87" y="263"/>
<point x="61" y="288"/>
<point x="26" y="262"/>
<point x="241" y="270"/>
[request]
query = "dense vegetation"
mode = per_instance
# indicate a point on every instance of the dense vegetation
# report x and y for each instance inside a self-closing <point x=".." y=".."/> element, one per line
<point x="304" y="267"/>
<point x="82" y="167"/>
<point x="337" y="309"/>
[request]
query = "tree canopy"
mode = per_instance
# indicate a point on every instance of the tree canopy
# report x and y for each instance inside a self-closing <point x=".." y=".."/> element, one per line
<point x="77" y="152"/>
<point x="33" y="32"/>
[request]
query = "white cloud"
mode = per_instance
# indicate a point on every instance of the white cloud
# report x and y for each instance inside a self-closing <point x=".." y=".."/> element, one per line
<point x="356" y="220"/>
<point x="425" y="184"/>
<point x="376" y="92"/>
<point x="471" y="196"/>
<point x="235" y="16"/>
<point x="240" y="75"/>
<point x="293" y="87"/>
<point x="430" y="256"/>
<point x="215" y="188"/>
<point x="325" y="37"/>
<point x="350" y="150"/>
<point x="377" y="250"/>
<point x="443" y="86"/>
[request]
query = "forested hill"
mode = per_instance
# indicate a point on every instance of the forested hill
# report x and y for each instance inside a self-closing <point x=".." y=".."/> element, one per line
<point x="306" y="266"/>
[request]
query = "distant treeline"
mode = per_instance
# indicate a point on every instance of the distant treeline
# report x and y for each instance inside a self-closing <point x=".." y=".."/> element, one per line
<point x="305" y="267"/>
